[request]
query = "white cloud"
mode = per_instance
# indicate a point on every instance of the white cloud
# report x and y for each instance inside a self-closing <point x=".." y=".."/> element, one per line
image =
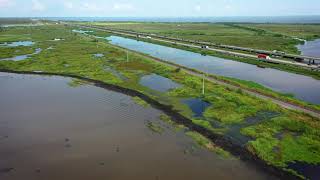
<point x="227" y="7"/>
<point x="197" y="8"/>
<point x="123" y="7"/>
<point x="6" y="3"/>
<point x="37" y="6"/>
<point x="90" y="7"/>
<point x="68" y="5"/>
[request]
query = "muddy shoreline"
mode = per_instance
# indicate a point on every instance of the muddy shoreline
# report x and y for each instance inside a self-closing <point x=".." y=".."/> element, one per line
<point x="220" y="140"/>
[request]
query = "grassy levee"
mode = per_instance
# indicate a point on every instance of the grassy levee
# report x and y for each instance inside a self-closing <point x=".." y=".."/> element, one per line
<point x="73" y="57"/>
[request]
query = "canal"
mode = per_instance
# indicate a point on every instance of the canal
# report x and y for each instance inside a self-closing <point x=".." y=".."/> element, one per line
<point x="51" y="128"/>
<point x="302" y="87"/>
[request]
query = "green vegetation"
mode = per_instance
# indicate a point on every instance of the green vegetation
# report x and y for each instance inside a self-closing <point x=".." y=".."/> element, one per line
<point x="206" y="143"/>
<point x="303" y="31"/>
<point x="156" y="128"/>
<point x="230" y="107"/>
<point x="140" y="101"/>
<point x="168" y="120"/>
<point x="77" y="83"/>
<point x="286" y="138"/>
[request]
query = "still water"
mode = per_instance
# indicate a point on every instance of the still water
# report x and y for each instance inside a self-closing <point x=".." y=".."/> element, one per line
<point x="18" y="43"/>
<point x="197" y="106"/>
<point x="302" y="87"/>
<point x="158" y="83"/>
<point x="49" y="130"/>
<point x="22" y="57"/>
<point x="310" y="48"/>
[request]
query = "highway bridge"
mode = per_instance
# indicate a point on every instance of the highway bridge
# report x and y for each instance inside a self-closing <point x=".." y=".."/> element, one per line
<point x="298" y="60"/>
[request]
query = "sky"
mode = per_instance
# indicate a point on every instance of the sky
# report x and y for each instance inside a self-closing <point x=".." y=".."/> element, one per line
<point x="157" y="8"/>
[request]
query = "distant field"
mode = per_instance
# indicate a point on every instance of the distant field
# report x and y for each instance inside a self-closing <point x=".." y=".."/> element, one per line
<point x="259" y="36"/>
<point x="303" y="31"/>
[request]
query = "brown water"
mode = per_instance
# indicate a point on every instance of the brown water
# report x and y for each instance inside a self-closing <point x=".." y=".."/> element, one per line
<point x="49" y="130"/>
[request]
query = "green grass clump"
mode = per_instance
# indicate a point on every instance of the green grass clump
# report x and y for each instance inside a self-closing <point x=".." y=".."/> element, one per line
<point x="140" y="101"/>
<point x="156" y="128"/>
<point x="77" y="83"/>
<point x="168" y="120"/>
<point x="206" y="143"/>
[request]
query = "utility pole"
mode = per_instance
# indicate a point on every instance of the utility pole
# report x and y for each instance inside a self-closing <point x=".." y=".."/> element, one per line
<point x="127" y="56"/>
<point x="203" y="79"/>
<point x="203" y="86"/>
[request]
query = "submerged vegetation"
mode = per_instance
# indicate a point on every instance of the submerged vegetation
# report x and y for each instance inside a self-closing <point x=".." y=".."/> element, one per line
<point x="140" y="101"/>
<point x="77" y="83"/>
<point x="154" y="127"/>
<point x="206" y="143"/>
<point x="289" y="137"/>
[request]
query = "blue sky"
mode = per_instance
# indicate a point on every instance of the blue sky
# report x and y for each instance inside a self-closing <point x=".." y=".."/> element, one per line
<point x="157" y="8"/>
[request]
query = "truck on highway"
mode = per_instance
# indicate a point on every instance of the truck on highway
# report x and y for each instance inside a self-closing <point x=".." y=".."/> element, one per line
<point x="263" y="57"/>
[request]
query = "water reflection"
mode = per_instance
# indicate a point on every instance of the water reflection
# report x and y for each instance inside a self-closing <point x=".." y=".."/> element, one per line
<point x="197" y="106"/>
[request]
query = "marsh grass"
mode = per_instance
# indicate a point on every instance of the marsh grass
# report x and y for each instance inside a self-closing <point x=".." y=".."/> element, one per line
<point x="154" y="127"/>
<point x="140" y="101"/>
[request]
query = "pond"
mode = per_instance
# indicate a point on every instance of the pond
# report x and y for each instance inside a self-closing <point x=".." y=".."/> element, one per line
<point x="86" y="132"/>
<point x="81" y="31"/>
<point x="197" y="106"/>
<point x="310" y="48"/>
<point x="22" y="57"/>
<point x="16" y="44"/>
<point x="115" y="73"/>
<point x="302" y="87"/>
<point x="98" y="55"/>
<point x="158" y="83"/>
